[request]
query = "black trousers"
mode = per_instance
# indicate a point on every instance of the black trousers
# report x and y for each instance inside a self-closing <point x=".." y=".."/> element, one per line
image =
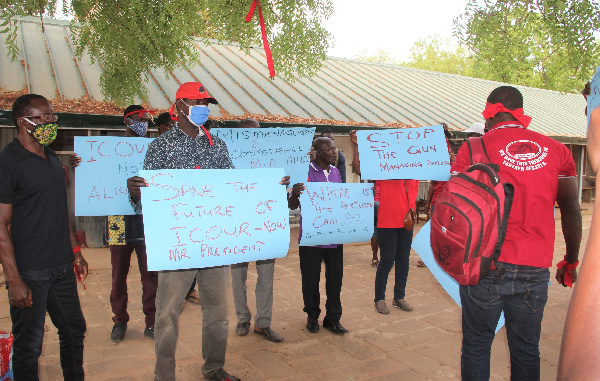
<point x="53" y="290"/>
<point x="310" y="268"/>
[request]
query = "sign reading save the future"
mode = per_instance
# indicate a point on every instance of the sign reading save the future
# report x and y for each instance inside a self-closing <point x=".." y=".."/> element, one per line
<point x="196" y="218"/>
<point x="593" y="100"/>
<point x="101" y="177"/>
<point x="336" y="213"/>
<point x="408" y="153"/>
<point x="285" y="148"/>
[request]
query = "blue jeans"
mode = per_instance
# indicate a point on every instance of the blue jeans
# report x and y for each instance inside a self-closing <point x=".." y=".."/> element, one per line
<point x="394" y="247"/>
<point x="521" y="292"/>
<point x="54" y="290"/>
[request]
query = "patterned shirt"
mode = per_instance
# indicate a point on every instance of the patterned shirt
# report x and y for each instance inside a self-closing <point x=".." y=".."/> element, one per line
<point x="177" y="150"/>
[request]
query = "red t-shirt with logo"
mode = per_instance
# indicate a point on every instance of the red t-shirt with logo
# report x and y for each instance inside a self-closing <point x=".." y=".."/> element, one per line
<point x="533" y="163"/>
<point x="395" y="200"/>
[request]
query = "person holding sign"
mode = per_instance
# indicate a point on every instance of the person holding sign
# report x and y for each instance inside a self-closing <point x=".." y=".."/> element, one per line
<point x="38" y="250"/>
<point x="265" y="270"/>
<point x="340" y="160"/>
<point x="542" y="172"/>
<point x="189" y="145"/>
<point x="125" y="233"/>
<point x="311" y="257"/>
<point x="397" y="197"/>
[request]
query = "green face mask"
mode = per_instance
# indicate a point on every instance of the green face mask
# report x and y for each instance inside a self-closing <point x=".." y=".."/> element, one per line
<point x="45" y="133"/>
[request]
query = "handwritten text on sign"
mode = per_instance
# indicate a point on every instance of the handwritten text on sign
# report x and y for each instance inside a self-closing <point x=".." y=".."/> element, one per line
<point x="336" y="213"/>
<point x="195" y="218"/>
<point x="593" y="100"/>
<point x="285" y="148"/>
<point x="408" y="153"/>
<point x="101" y="177"/>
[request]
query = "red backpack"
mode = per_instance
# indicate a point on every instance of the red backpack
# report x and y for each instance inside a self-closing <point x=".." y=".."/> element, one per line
<point x="469" y="220"/>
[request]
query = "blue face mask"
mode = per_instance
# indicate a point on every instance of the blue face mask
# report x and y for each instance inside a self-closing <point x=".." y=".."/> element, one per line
<point x="198" y="114"/>
<point x="139" y="128"/>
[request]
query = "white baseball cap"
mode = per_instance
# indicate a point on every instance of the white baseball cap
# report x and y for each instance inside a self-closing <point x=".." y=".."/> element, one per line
<point x="476" y="127"/>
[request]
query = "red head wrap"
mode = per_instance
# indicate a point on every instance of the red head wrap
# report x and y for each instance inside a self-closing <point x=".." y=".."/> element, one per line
<point x="492" y="109"/>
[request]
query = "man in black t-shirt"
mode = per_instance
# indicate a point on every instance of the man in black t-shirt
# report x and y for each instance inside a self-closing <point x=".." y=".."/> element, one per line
<point x="37" y="247"/>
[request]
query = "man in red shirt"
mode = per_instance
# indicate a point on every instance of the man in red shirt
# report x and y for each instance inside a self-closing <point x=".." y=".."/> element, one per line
<point x="542" y="171"/>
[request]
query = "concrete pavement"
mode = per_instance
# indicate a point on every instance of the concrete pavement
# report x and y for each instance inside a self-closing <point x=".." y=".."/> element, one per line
<point x="419" y="345"/>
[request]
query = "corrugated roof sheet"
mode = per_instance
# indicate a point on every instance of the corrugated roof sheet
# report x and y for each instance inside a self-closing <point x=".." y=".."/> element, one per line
<point x="349" y="91"/>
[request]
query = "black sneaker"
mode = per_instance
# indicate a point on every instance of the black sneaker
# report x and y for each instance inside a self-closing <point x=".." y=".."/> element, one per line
<point x="149" y="332"/>
<point x="221" y="375"/>
<point x="118" y="332"/>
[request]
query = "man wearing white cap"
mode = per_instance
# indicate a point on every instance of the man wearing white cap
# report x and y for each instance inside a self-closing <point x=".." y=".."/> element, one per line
<point x="476" y="130"/>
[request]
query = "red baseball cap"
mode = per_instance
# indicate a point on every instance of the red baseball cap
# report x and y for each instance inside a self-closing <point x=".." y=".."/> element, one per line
<point x="194" y="90"/>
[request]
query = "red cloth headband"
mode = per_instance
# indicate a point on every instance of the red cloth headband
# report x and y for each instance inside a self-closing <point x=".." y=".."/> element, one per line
<point x="492" y="109"/>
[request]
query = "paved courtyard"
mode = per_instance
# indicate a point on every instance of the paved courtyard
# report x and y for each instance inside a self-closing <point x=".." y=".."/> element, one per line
<point x="419" y="345"/>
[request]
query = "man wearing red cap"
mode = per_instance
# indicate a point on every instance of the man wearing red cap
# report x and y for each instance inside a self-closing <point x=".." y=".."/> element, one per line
<point x="189" y="145"/>
<point x="542" y="171"/>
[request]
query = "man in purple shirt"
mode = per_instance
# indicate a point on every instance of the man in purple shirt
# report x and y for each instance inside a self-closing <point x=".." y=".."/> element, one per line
<point x="321" y="170"/>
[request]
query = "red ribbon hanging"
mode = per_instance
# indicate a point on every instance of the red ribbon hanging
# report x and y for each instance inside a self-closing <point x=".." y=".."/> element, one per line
<point x="264" y="35"/>
<point x="569" y="267"/>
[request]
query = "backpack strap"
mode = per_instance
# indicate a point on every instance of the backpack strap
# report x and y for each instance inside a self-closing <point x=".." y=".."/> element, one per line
<point x="477" y="150"/>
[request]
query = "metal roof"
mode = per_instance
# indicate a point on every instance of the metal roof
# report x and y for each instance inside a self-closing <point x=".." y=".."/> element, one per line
<point x="348" y="91"/>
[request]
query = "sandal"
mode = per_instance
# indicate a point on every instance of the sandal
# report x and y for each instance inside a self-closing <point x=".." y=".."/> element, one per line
<point x="420" y="263"/>
<point x="374" y="262"/>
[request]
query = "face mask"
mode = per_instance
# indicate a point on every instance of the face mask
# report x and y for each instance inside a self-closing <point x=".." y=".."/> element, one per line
<point x="198" y="114"/>
<point x="45" y="133"/>
<point x="139" y="128"/>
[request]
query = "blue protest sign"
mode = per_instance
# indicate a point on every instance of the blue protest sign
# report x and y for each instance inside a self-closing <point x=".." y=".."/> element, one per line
<point x="421" y="244"/>
<point x="195" y="218"/>
<point x="285" y="148"/>
<point x="101" y="177"/>
<point x="336" y="213"/>
<point x="593" y="100"/>
<point x="407" y="153"/>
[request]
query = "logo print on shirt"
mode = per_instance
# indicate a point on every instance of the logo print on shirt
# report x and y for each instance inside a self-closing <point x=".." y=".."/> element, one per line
<point x="524" y="155"/>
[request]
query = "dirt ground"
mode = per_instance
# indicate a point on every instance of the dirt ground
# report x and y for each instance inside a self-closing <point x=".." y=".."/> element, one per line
<point x="419" y="345"/>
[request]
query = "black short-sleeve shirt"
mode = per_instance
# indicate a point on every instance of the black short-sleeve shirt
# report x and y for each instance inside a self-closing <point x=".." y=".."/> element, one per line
<point x="36" y="189"/>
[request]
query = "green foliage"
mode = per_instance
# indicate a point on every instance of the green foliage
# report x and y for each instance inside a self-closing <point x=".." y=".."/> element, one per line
<point x="432" y="53"/>
<point x="437" y="54"/>
<point x="10" y="10"/>
<point x="548" y="44"/>
<point x="381" y="56"/>
<point x="130" y="38"/>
